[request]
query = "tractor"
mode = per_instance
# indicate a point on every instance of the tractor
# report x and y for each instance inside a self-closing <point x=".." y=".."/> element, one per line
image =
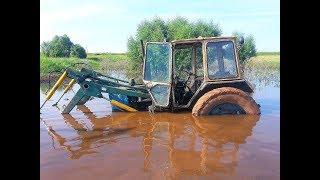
<point x="202" y="75"/>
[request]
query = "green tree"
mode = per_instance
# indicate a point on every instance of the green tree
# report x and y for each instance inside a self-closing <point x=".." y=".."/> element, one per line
<point x="179" y="28"/>
<point x="153" y="30"/>
<point x="201" y="28"/>
<point x="78" y="51"/>
<point x="248" y="48"/>
<point x="59" y="46"/>
<point x="157" y="29"/>
<point x="45" y="48"/>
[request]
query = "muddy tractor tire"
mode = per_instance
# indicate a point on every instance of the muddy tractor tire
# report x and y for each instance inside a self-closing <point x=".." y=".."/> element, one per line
<point x="226" y="100"/>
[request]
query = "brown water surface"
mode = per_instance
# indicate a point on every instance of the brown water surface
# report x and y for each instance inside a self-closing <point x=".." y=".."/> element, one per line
<point x="94" y="143"/>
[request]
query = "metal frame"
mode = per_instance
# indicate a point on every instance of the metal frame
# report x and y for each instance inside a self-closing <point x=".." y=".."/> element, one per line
<point x="92" y="85"/>
<point x="150" y="84"/>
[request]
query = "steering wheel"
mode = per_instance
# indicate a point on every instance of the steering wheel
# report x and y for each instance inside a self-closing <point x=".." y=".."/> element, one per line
<point x="189" y="75"/>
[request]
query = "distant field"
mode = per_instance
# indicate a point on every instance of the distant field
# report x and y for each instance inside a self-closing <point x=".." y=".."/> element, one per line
<point x="48" y="64"/>
<point x="268" y="53"/>
<point x="265" y="60"/>
<point x="107" y="56"/>
<point x="99" y="62"/>
<point x="104" y="62"/>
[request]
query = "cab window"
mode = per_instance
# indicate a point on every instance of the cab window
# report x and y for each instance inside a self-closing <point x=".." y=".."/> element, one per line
<point x="221" y="60"/>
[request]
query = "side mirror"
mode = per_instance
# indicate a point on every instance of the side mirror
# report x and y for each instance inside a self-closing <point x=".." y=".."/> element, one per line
<point x="165" y="34"/>
<point x="142" y="48"/>
<point x="241" y="41"/>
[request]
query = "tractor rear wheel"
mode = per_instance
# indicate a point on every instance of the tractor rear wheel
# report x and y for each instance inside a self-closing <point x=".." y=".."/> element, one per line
<point x="226" y="100"/>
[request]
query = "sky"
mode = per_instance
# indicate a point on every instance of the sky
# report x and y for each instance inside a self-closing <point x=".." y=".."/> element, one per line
<point x="106" y="25"/>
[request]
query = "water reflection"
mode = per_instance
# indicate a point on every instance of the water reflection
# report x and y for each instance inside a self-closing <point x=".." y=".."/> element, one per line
<point x="263" y="78"/>
<point x="193" y="145"/>
<point x="86" y="139"/>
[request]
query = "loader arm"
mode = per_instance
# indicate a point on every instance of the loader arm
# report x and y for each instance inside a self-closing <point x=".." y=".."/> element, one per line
<point x="93" y="84"/>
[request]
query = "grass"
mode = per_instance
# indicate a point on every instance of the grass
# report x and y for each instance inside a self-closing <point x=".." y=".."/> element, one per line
<point x="269" y="60"/>
<point x="110" y="61"/>
<point x="103" y="63"/>
<point x="48" y="64"/>
<point x="107" y="62"/>
<point x="263" y="70"/>
<point x="107" y="56"/>
<point x="268" y="53"/>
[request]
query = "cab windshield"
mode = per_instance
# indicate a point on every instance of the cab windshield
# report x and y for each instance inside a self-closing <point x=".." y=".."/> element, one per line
<point x="157" y="62"/>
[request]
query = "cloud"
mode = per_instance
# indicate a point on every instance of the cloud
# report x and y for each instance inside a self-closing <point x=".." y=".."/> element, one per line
<point x="205" y="15"/>
<point x="249" y="14"/>
<point x="70" y="14"/>
<point x="50" y="18"/>
<point x="97" y="23"/>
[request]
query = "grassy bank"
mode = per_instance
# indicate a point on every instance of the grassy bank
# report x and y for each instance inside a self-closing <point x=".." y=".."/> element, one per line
<point x="268" y="53"/>
<point x="48" y="64"/>
<point x="265" y="60"/>
<point x="100" y="62"/>
<point x="106" y="62"/>
<point x="107" y="56"/>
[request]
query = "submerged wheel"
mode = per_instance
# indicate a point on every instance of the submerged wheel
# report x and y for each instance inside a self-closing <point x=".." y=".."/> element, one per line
<point x="226" y="100"/>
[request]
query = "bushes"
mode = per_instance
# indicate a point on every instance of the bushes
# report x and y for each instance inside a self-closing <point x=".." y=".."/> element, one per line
<point x="50" y="64"/>
<point x="178" y="28"/>
<point x="248" y="48"/>
<point x="78" y="51"/>
<point x="157" y="30"/>
<point x="61" y="46"/>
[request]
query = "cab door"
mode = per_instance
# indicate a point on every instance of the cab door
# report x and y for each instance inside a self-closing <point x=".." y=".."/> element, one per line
<point x="157" y="74"/>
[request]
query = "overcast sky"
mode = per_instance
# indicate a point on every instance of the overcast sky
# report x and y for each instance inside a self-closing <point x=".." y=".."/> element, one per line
<point x="105" y="25"/>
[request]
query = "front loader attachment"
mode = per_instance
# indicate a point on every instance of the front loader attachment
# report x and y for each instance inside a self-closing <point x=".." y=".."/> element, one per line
<point x="93" y="84"/>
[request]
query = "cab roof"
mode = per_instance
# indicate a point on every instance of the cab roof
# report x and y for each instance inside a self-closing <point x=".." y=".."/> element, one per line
<point x="199" y="39"/>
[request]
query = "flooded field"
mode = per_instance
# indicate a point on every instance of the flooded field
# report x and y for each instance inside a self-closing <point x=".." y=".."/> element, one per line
<point x="94" y="143"/>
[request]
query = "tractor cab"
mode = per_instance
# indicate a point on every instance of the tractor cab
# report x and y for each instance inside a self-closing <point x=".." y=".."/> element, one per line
<point x="178" y="73"/>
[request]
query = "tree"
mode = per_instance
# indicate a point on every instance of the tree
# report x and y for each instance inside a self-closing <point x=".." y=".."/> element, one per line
<point x="78" y="51"/>
<point x="45" y="48"/>
<point x="248" y="48"/>
<point x="153" y="30"/>
<point x="61" y="46"/>
<point x="179" y="28"/>
<point x="157" y="29"/>
<point x="204" y="29"/>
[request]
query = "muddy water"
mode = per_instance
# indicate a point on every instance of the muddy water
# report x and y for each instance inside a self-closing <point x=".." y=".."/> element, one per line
<point x="95" y="143"/>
